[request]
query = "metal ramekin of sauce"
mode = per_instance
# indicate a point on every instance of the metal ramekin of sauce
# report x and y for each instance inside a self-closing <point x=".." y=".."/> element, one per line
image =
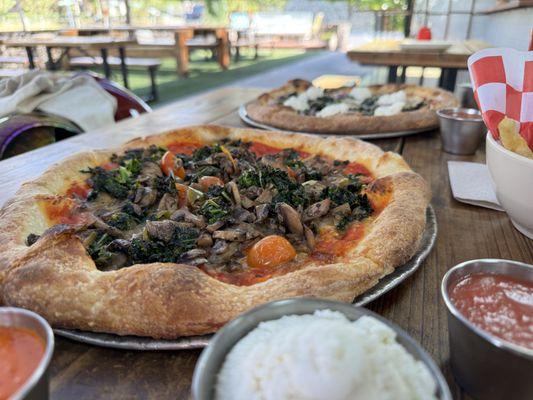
<point x="26" y="347"/>
<point x="490" y="323"/>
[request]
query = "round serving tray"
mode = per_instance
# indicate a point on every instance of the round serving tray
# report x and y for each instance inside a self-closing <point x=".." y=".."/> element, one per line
<point x="383" y="135"/>
<point x="193" y="342"/>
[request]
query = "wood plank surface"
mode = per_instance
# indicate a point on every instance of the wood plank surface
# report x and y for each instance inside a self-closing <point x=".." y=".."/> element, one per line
<point x="90" y="42"/>
<point x="418" y="59"/>
<point x="465" y="232"/>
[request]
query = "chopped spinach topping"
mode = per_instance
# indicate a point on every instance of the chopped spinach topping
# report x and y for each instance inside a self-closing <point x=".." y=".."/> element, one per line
<point x="148" y="251"/>
<point x="122" y="221"/>
<point x="217" y="206"/>
<point x="98" y="249"/>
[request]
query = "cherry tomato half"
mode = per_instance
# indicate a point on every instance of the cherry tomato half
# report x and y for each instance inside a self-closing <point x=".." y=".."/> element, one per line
<point x="168" y="165"/>
<point x="270" y="251"/>
<point x="207" y="181"/>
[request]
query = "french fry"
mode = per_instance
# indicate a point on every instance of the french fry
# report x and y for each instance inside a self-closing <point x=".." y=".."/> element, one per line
<point x="511" y="139"/>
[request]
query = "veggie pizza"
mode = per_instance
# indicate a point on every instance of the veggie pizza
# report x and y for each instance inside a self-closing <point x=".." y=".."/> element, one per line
<point x="300" y="106"/>
<point x="176" y="234"/>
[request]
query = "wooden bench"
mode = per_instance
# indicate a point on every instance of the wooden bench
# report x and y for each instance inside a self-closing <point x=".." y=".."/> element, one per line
<point x="151" y="64"/>
<point x="13" y="60"/>
<point x="9" y="73"/>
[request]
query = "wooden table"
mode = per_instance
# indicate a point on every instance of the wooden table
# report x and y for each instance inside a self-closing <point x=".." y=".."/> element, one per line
<point x="185" y="38"/>
<point x="389" y="54"/>
<point x="464" y="232"/>
<point x="84" y="43"/>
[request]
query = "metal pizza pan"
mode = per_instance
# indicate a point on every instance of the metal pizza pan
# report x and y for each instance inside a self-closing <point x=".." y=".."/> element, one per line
<point x="243" y="115"/>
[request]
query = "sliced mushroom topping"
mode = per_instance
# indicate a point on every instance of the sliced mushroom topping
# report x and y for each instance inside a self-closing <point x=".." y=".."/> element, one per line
<point x="318" y="164"/>
<point x="231" y="235"/>
<point x="246" y="202"/>
<point x="309" y="237"/>
<point x="214" y="226"/>
<point x="252" y="192"/>
<point x="168" y="203"/>
<point x="136" y="209"/>
<point x="220" y="247"/>
<point x="205" y="240"/>
<point x="317" y="210"/>
<point x="234" y="190"/>
<point x="119" y="245"/>
<point x="226" y="255"/>
<point x="161" y="230"/>
<point x="249" y="230"/>
<point x="261" y="212"/>
<point x="110" y="230"/>
<point x="265" y="196"/>
<point x="291" y="218"/>
<point x="150" y="170"/>
<point x="343" y="209"/>
<point x="194" y="253"/>
<point x="197" y="220"/>
<point x="185" y="215"/>
<point x="314" y="189"/>
<point x="178" y="215"/>
<point x="242" y="215"/>
<point x="197" y="261"/>
<point x="145" y="196"/>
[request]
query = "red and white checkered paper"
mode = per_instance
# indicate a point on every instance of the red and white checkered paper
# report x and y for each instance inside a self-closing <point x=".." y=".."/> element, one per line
<point x="503" y="86"/>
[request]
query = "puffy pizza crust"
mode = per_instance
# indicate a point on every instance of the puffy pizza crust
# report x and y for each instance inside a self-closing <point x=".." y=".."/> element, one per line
<point x="57" y="278"/>
<point x="265" y="110"/>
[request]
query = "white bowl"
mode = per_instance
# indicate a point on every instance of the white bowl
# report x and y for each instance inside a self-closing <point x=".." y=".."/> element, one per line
<point x="512" y="175"/>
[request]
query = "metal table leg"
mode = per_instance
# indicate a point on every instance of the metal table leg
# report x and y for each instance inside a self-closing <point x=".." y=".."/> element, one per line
<point x="107" y="69"/>
<point x="448" y="78"/>
<point x="393" y="74"/>
<point x="50" y="65"/>
<point x="123" y="66"/>
<point x="31" y="61"/>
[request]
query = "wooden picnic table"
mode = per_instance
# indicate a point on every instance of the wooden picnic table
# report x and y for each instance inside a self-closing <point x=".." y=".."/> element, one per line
<point x="83" y="43"/>
<point x="389" y="53"/>
<point x="186" y="37"/>
<point x="464" y="232"/>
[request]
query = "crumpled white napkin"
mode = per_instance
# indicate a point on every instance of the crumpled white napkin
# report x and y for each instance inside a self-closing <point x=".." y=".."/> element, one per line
<point x="471" y="183"/>
<point x="77" y="98"/>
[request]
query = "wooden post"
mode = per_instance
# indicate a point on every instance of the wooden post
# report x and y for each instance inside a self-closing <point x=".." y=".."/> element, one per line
<point x="181" y="36"/>
<point x="223" y="50"/>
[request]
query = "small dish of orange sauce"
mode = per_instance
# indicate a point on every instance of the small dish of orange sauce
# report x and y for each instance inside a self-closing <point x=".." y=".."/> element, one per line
<point x="21" y="350"/>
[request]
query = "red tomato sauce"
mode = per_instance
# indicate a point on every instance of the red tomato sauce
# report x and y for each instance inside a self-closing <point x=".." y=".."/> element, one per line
<point x="186" y="148"/>
<point x="356" y="168"/>
<point x="21" y="351"/>
<point x="261" y="149"/>
<point x="80" y="190"/>
<point x="498" y="304"/>
<point x="110" y="165"/>
<point x="63" y="211"/>
<point x="331" y="246"/>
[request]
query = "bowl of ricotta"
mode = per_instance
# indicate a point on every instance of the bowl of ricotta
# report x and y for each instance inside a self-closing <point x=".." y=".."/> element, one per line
<point x="311" y="349"/>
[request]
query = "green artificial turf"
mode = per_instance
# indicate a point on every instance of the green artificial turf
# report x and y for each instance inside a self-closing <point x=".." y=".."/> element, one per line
<point x="205" y="73"/>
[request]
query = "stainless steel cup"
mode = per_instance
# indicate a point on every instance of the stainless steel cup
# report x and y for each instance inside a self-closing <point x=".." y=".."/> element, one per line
<point x="485" y="366"/>
<point x="36" y="387"/>
<point x="459" y="134"/>
<point x="205" y="373"/>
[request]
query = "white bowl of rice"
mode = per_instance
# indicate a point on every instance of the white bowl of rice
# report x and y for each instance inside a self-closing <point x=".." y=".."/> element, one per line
<point x="309" y="349"/>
